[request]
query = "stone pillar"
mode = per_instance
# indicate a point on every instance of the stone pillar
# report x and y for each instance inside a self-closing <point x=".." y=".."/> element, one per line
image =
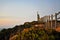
<point x="55" y="19"/>
<point x="56" y="14"/>
<point x="51" y="21"/>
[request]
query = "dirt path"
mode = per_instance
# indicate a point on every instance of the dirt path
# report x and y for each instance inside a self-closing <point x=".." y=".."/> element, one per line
<point x="13" y="38"/>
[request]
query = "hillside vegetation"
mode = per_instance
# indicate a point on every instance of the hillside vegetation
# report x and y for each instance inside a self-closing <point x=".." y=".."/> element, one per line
<point x="28" y="32"/>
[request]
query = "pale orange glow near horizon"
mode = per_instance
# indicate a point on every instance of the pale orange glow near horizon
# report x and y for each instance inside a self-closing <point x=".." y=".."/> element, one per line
<point x="9" y="21"/>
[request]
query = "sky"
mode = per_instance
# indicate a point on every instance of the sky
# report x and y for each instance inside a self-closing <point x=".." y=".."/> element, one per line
<point x="16" y="12"/>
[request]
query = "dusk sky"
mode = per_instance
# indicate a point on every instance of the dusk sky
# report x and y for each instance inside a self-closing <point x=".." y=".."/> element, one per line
<point x="16" y="12"/>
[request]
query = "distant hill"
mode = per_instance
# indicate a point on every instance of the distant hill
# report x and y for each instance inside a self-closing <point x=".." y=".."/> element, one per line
<point x="1" y="29"/>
